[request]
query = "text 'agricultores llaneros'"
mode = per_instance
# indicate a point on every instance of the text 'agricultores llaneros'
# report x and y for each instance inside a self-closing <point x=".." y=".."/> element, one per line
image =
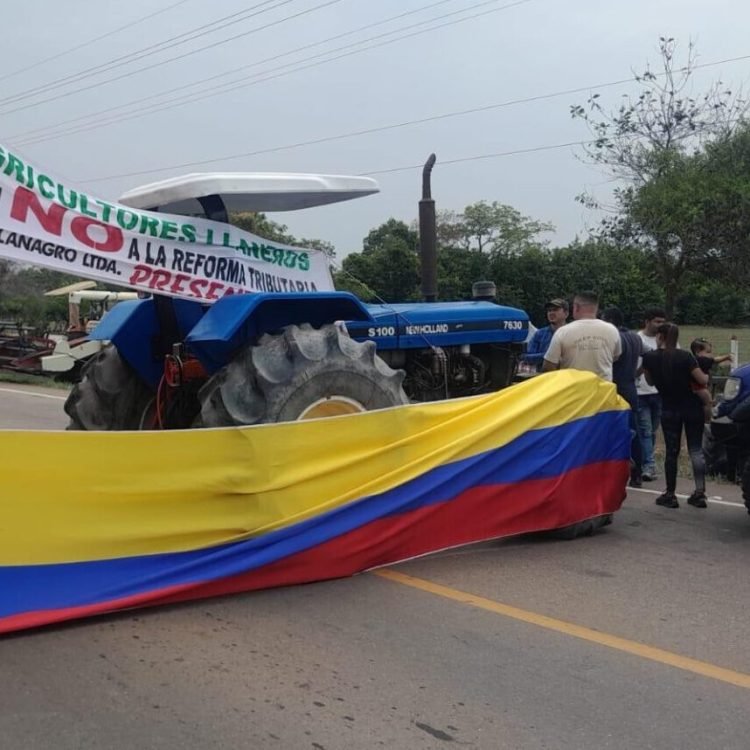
<point x="46" y="222"/>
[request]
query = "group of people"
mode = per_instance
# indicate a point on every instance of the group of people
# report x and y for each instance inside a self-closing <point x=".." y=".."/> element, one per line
<point x="664" y="385"/>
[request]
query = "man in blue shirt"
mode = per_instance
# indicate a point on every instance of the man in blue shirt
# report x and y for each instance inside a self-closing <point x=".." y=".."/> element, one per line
<point x="557" y="316"/>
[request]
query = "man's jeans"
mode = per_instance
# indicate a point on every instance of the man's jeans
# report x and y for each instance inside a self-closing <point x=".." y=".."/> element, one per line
<point x="649" y="414"/>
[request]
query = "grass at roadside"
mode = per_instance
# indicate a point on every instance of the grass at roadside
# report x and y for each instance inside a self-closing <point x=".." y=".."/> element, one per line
<point x="684" y="467"/>
<point x="20" y="378"/>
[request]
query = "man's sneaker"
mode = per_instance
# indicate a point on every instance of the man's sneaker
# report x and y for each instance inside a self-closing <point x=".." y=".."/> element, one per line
<point x="698" y="500"/>
<point x="635" y="482"/>
<point x="647" y="477"/>
<point x="667" y="500"/>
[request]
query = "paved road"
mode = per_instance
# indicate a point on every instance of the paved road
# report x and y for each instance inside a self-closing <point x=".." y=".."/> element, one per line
<point x="26" y="407"/>
<point x="487" y="658"/>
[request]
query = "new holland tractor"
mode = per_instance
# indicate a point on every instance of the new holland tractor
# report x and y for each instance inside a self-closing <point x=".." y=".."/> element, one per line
<point x="271" y="357"/>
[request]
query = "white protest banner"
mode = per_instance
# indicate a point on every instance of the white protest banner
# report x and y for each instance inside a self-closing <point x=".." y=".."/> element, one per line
<point x="48" y="223"/>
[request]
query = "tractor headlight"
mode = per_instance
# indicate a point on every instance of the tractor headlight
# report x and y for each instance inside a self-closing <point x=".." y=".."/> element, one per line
<point x="732" y="389"/>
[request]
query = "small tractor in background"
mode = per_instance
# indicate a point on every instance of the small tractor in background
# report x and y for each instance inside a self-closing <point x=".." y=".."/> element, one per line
<point x="255" y="358"/>
<point x="74" y="348"/>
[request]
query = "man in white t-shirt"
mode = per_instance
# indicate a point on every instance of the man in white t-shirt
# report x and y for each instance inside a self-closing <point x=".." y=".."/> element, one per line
<point x="649" y="401"/>
<point x="585" y="344"/>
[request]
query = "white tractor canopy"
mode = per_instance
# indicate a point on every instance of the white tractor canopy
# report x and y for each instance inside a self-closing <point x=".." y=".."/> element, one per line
<point x="206" y="194"/>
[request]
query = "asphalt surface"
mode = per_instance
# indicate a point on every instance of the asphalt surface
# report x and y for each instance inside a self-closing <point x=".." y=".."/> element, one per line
<point x="372" y="662"/>
<point x="26" y="407"/>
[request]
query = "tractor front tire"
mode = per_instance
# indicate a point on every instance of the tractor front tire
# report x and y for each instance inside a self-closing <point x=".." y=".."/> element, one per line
<point x="302" y="373"/>
<point x="110" y="395"/>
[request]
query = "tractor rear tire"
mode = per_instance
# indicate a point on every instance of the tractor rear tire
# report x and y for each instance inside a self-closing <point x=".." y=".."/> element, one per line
<point x="589" y="527"/>
<point x="110" y="395"/>
<point x="302" y="373"/>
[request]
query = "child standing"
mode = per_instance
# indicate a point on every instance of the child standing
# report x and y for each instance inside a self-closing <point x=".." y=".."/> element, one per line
<point x="702" y="350"/>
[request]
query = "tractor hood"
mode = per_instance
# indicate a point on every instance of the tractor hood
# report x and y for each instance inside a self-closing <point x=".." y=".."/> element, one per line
<point x="441" y="324"/>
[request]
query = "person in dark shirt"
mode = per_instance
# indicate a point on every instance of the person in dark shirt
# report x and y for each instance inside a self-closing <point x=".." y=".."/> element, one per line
<point x="702" y="350"/>
<point x="673" y="372"/>
<point x="625" y="371"/>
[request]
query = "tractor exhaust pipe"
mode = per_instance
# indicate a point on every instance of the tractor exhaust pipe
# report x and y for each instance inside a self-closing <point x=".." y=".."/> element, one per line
<point x="428" y="235"/>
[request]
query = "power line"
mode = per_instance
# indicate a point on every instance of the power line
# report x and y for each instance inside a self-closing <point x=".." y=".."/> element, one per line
<point x="366" y="131"/>
<point x="154" y="65"/>
<point x="234" y="85"/>
<point x="499" y="154"/>
<point x="395" y="126"/>
<point x="479" y="157"/>
<point x="152" y="49"/>
<point x="127" y="105"/>
<point x="273" y="74"/>
<point x="88" y="43"/>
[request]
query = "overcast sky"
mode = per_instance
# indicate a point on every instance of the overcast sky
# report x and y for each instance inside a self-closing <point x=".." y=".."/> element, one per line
<point x="533" y="48"/>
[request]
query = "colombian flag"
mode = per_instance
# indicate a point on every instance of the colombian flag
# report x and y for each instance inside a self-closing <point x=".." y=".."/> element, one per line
<point x="97" y="522"/>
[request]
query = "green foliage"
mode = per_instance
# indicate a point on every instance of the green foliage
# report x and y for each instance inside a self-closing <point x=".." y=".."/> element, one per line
<point x="391" y="270"/>
<point x="388" y="266"/>
<point x="634" y="140"/>
<point x="493" y="228"/>
<point x="345" y="282"/>
<point x="458" y="269"/>
<point x="623" y="274"/>
<point x="392" y="230"/>
<point x="314" y="243"/>
<point x="711" y="302"/>
<point x="685" y="196"/>
<point x="22" y="297"/>
<point x="260" y="224"/>
<point x="470" y="245"/>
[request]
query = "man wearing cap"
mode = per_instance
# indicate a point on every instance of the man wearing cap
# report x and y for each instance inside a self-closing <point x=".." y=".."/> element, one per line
<point x="587" y="343"/>
<point x="557" y="316"/>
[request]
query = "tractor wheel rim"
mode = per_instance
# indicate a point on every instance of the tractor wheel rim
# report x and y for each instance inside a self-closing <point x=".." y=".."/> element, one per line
<point x="331" y="406"/>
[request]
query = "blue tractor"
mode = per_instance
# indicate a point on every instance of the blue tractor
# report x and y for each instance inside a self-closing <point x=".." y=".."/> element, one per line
<point x="271" y="357"/>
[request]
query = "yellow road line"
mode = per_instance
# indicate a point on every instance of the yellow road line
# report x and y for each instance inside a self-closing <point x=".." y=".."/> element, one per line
<point x="740" y="679"/>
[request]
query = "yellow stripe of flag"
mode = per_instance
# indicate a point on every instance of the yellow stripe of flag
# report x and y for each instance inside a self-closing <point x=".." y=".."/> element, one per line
<point x="71" y="496"/>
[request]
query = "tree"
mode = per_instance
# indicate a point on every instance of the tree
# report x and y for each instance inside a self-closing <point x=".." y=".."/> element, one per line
<point x="22" y="296"/>
<point x="727" y="162"/>
<point x="458" y="269"/>
<point x="260" y="224"/>
<point x="343" y="281"/>
<point x="493" y="228"/>
<point x="467" y="244"/>
<point x="698" y="208"/>
<point x="5" y="269"/>
<point x="388" y="266"/>
<point x="393" y="229"/>
<point x="635" y="141"/>
<point x="622" y="275"/>
<point x="650" y="143"/>
<point x="390" y="270"/>
<point x="324" y="246"/>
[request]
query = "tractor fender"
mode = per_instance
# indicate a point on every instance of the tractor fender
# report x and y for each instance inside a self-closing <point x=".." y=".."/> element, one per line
<point x="238" y="320"/>
<point x="133" y="327"/>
